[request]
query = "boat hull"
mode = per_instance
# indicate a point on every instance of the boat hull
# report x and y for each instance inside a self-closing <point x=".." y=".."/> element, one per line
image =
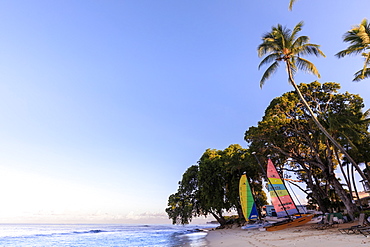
<point x="255" y="226"/>
<point x="293" y="223"/>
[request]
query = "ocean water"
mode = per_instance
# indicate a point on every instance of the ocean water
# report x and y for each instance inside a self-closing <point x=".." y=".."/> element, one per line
<point x="37" y="235"/>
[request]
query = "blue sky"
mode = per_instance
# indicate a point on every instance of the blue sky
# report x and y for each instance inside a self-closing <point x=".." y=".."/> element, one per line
<point x="105" y="104"/>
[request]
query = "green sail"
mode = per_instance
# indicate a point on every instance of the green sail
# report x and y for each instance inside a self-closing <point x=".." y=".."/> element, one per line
<point x="246" y="199"/>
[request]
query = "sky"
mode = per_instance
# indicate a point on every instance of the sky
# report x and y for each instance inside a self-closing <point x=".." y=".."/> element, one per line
<point x="105" y="104"/>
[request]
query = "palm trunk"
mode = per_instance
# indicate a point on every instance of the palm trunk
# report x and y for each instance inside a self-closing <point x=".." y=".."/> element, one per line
<point x="339" y="190"/>
<point x="348" y="181"/>
<point x="354" y="185"/>
<point x="317" y="122"/>
<point x="350" y="206"/>
<point x="317" y="193"/>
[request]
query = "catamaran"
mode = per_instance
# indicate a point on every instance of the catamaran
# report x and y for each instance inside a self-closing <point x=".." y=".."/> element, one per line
<point x="283" y="202"/>
<point x="248" y="204"/>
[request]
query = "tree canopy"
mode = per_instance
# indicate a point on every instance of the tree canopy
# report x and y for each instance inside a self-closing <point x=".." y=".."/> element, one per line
<point x="288" y="133"/>
<point x="212" y="186"/>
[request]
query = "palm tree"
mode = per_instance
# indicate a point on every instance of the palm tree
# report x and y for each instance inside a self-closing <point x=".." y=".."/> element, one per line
<point x="359" y="39"/>
<point x="284" y="45"/>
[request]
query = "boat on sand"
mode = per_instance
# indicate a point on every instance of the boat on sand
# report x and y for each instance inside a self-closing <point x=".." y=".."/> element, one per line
<point x="283" y="202"/>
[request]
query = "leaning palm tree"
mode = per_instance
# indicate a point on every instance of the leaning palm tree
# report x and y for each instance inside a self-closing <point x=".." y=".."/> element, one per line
<point x="359" y="39"/>
<point x="284" y="45"/>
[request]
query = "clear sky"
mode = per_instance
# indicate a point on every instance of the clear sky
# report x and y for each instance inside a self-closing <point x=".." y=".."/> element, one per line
<point x="105" y="104"/>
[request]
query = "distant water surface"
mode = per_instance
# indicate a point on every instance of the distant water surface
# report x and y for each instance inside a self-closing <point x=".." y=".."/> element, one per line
<point x="36" y="235"/>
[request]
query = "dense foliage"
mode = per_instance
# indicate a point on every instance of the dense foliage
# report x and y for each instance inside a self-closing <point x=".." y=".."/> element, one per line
<point x="212" y="186"/>
<point x="288" y="133"/>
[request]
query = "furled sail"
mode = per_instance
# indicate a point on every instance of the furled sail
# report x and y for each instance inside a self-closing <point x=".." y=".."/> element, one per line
<point x="282" y="201"/>
<point x="246" y="199"/>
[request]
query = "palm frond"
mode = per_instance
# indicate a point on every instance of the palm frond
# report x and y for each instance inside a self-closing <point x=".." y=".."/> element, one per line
<point x="291" y="4"/>
<point x="361" y="75"/>
<point x="296" y="30"/>
<point x="363" y="35"/>
<point x="280" y="34"/>
<point x="301" y="40"/>
<point x="307" y="66"/>
<point x="266" y="47"/>
<point x="358" y="38"/>
<point x="367" y="58"/>
<point x="311" y="49"/>
<point x="351" y="50"/>
<point x="268" y="59"/>
<point x="366" y="24"/>
<point x="352" y="36"/>
<point x="270" y="70"/>
<point x="366" y="63"/>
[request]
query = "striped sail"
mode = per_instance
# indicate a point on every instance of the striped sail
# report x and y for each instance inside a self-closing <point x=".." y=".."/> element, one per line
<point x="285" y="204"/>
<point x="246" y="199"/>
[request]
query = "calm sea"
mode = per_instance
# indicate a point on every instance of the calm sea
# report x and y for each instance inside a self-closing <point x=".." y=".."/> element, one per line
<point x="102" y="235"/>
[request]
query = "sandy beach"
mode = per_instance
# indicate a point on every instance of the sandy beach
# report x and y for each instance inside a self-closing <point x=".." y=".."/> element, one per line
<point x="303" y="236"/>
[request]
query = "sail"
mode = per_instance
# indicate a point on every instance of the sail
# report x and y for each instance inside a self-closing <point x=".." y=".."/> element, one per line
<point x="246" y="199"/>
<point x="282" y="201"/>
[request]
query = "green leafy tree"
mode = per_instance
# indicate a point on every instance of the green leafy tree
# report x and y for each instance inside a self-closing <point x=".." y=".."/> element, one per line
<point x="284" y="45"/>
<point x="359" y="39"/>
<point x="184" y="204"/>
<point x="233" y="162"/>
<point x="212" y="186"/>
<point x="289" y="134"/>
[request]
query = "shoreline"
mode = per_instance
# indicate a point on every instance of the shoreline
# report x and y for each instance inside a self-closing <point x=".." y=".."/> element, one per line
<point x="296" y="236"/>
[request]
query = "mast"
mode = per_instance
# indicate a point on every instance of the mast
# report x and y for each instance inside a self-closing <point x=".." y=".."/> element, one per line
<point x="268" y="180"/>
<point x="296" y="199"/>
<point x="291" y="195"/>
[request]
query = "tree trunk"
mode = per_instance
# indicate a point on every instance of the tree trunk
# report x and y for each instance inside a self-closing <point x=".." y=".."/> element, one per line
<point x="317" y="193"/>
<point x="348" y="182"/>
<point x="240" y="213"/>
<point x="220" y="219"/>
<point x="354" y="185"/>
<point x="350" y="206"/>
<point x="317" y="122"/>
<point x="341" y="193"/>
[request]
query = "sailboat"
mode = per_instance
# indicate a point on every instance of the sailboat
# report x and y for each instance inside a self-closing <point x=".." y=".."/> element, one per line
<point x="246" y="199"/>
<point x="283" y="202"/>
<point x="248" y="204"/>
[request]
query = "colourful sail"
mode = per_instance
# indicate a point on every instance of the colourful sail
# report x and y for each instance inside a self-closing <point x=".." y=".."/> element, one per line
<point x="282" y="201"/>
<point x="246" y="199"/>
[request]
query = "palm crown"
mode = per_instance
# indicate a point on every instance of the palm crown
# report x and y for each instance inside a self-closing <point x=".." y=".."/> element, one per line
<point x="359" y="39"/>
<point x="283" y="44"/>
